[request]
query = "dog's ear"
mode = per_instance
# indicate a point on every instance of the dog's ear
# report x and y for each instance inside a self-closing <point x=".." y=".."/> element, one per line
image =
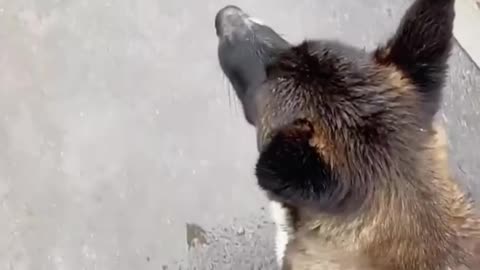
<point x="292" y="170"/>
<point x="420" y="48"/>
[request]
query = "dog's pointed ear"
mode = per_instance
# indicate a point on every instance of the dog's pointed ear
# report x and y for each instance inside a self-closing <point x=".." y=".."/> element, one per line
<point x="420" y="48"/>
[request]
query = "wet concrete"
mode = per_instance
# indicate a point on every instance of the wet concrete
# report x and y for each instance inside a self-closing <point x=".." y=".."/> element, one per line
<point x="117" y="130"/>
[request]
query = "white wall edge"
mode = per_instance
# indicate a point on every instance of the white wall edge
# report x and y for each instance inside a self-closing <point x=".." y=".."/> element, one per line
<point x="467" y="28"/>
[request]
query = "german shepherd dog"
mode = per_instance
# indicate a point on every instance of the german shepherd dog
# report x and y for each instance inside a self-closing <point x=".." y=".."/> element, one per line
<point x="350" y="153"/>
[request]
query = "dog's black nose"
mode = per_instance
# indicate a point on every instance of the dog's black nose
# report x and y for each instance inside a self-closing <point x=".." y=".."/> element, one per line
<point x="230" y="10"/>
<point x="229" y="19"/>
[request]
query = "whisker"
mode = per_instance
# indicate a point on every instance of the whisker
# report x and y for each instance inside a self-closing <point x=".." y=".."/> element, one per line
<point x="229" y="90"/>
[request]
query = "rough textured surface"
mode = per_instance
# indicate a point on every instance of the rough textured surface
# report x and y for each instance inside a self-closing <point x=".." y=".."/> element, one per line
<point x="117" y="130"/>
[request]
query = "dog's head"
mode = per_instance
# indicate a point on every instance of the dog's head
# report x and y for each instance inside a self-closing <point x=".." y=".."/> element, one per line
<point x="333" y="121"/>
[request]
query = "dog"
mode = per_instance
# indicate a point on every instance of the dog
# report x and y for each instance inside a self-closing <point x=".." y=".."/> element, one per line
<point x="350" y="153"/>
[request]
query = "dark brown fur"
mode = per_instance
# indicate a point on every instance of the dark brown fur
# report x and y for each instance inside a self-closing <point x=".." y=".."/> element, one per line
<point x="350" y="147"/>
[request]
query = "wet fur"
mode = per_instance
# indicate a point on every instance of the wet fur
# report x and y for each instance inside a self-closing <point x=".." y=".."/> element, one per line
<point x="351" y="152"/>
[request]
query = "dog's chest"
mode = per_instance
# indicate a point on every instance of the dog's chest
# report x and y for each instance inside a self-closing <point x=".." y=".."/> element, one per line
<point x="301" y="254"/>
<point x="321" y="259"/>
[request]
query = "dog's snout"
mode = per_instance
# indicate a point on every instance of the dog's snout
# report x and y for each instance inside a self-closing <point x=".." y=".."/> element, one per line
<point x="229" y="19"/>
<point x="246" y="46"/>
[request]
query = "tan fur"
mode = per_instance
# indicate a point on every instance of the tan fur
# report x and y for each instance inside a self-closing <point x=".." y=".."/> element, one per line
<point x="382" y="233"/>
<point x="328" y="147"/>
<point x="397" y="79"/>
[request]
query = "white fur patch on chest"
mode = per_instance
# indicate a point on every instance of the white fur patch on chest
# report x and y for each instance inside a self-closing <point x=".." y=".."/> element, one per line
<point x="280" y="217"/>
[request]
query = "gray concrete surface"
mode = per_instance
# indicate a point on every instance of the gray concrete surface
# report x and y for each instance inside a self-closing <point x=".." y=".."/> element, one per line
<point x="120" y="142"/>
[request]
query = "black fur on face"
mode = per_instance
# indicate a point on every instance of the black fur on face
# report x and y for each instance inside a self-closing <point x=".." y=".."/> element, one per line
<point x="336" y="123"/>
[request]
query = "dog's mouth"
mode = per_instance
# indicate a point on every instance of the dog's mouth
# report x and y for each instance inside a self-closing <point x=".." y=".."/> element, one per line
<point x="246" y="47"/>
